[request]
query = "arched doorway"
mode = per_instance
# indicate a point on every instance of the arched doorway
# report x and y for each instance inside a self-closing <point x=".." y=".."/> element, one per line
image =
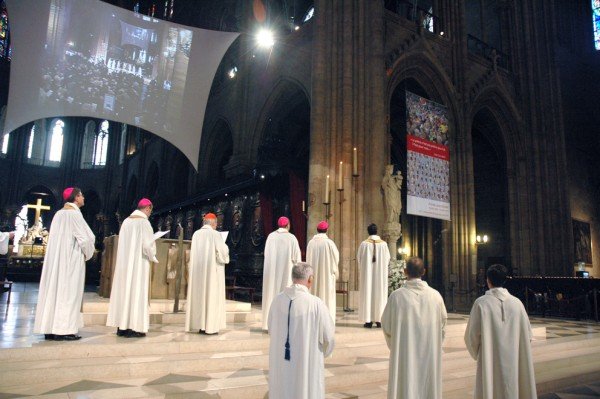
<point x="421" y="236"/>
<point x="283" y="159"/>
<point x="490" y="190"/>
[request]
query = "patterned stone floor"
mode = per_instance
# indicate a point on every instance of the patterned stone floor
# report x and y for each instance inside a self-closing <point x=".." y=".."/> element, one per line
<point x="16" y="332"/>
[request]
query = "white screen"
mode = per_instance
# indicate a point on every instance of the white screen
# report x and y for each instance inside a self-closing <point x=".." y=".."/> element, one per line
<point x="88" y="58"/>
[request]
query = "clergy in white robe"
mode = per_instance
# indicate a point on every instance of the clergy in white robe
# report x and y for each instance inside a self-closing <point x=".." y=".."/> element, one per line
<point x="373" y="261"/>
<point x="206" y="281"/>
<point x="413" y="324"/>
<point x="4" y="239"/>
<point x="129" y="308"/>
<point x="281" y="253"/>
<point x="323" y="256"/>
<point x="499" y="337"/>
<point x="301" y="335"/>
<point x="70" y="244"/>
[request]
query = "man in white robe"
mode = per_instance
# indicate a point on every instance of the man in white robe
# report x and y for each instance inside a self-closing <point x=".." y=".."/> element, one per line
<point x="323" y="256"/>
<point x="281" y="253"/>
<point x="373" y="261"/>
<point x="302" y="334"/>
<point x="206" y="281"/>
<point x="4" y="239"/>
<point x="413" y="324"/>
<point x="499" y="337"/>
<point x="128" y="309"/>
<point x="70" y="244"/>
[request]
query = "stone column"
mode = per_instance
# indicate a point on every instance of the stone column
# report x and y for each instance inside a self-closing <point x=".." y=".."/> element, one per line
<point x="347" y="111"/>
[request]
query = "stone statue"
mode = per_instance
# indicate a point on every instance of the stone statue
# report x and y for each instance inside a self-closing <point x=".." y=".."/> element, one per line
<point x="392" y="200"/>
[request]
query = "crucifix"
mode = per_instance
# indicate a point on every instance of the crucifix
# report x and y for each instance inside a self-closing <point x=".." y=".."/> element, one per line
<point x="38" y="209"/>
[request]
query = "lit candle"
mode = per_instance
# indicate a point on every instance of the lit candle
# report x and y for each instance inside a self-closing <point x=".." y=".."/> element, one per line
<point x="303" y="206"/>
<point x="354" y="163"/>
<point x="327" y="190"/>
<point x="341" y="176"/>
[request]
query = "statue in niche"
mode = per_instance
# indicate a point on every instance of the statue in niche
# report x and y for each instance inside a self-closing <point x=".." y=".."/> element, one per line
<point x="256" y="234"/>
<point x="172" y="265"/>
<point x="392" y="194"/>
<point x="168" y="225"/>
<point x="189" y="225"/>
<point x="236" y="222"/>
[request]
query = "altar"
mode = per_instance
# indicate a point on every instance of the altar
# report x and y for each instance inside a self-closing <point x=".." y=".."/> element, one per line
<point x="163" y="275"/>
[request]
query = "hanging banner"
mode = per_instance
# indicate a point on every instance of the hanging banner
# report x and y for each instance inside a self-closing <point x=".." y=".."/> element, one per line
<point x="428" y="158"/>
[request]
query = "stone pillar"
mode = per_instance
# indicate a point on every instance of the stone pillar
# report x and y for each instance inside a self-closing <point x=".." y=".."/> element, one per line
<point x="391" y="234"/>
<point x="347" y="111"/>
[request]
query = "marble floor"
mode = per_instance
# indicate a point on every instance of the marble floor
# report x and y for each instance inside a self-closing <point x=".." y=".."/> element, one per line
<point x="170" y="363"/>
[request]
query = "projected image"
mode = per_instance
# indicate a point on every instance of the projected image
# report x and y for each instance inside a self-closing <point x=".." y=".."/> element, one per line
<point x="132" y="70"/>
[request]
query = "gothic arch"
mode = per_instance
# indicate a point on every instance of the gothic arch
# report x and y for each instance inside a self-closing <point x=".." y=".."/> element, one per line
<point x="496" y="116"/>
<point x="216" y="149"/>
<point x="427" y="72"/>
<point x="286" y="94"/>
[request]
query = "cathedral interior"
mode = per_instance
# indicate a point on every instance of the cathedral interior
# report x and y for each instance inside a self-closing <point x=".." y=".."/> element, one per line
<point x="520" y="81"/>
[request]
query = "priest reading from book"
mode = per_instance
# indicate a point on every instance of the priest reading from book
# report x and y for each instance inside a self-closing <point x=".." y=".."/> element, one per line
<point x="323" y="256"/>
<point x="414" y="322"/>
<point x="128" y="309"/>
<point x="206" y="281"/>
<point x="499" y="337"/>
<point x="71" y="242"/>
<point x="281" y="253"/>
<point x="373" y="261"/>
<point x="302" y="335"/>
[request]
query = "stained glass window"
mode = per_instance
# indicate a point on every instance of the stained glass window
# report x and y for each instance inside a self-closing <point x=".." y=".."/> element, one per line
<point x="596" y="16"/>
<point x="5" y="49"/>
<point x="56" y="142"/>
<point x="101" y="145"/>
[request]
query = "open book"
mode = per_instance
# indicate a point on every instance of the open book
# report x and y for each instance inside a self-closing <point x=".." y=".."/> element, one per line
<point x="159" y="234"/>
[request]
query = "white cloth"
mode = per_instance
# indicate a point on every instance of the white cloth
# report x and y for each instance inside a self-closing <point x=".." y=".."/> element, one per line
<point x="499" y="337"/>
<point x="281" y="253"/>
<point x="70" y="244"/>
<point x="4" y="238"/>
<point x="373" y="281"/>
<point x="413" y="324"/>
<point x="323" y="256"/>
<point x="129" y="308"/>
<point x="311" y="333"/>
<point x="206" y="282"/>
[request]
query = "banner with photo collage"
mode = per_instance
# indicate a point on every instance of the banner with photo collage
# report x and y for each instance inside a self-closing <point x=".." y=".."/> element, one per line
<point x="428" y="158"/>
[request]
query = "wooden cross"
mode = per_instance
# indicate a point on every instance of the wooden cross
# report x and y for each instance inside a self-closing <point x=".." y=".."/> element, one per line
<point x="38" y="209"/>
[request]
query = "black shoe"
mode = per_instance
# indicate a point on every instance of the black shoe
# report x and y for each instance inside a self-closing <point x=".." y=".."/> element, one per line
<point x="378" y="324"/>
<point x="200" y="331"/>
<point x="49" y="337"/>
<point x="68" y="337"/>
<point x="135" y="334"/>
<point x="123" y="333"/>
<point x="368" y="325"/>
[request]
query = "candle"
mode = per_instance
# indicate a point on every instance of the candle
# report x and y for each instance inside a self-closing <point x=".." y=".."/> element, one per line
<point x="303" y="206"/>
<point x="327" y="190"/>
<point x="341" y="176"/>
<point x="354" y="163"/>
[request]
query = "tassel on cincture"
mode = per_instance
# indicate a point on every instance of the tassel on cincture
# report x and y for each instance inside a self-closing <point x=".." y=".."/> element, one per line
<point x="287" y="351"/>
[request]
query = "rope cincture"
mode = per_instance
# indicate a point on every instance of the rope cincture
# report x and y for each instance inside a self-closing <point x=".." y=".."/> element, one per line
<point x="287" y="341"/>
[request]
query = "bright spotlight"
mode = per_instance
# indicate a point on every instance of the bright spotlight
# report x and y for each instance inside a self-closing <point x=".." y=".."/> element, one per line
<point x="296" y="27"/>
<point x="265" y="38"/>
<point x="232" y="72"/>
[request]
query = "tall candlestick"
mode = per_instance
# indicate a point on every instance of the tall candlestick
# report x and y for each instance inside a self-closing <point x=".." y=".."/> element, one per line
<point x="303" y="206"/>
<point x="354" y="163"/>
<point x="341" y="176"/>
<point x="326" y="190"/>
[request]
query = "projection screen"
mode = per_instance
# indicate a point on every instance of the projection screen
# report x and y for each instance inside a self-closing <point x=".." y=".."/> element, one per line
<point x="91" y="59"/>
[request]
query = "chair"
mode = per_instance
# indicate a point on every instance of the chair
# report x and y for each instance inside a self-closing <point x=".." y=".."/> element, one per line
<point x="6" y="285"/>
<point x="231" y="288"/>
<point x="342" y="288"/>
